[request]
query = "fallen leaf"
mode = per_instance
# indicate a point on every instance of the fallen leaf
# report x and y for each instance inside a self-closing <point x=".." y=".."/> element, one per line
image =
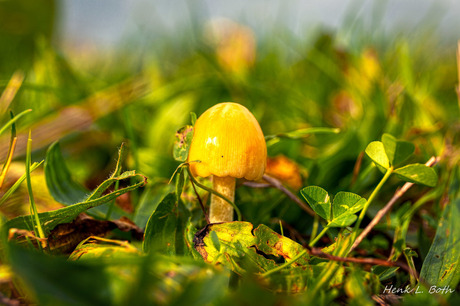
<point x="285" y="170"/>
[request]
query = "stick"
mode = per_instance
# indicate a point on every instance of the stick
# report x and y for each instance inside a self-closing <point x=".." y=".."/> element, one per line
<point x="370" y="261"/>
<point x="278" y="185"/>
<point x="431" y="162"/>
<point x="357" y="167"/>
<point x="317" y="252"/>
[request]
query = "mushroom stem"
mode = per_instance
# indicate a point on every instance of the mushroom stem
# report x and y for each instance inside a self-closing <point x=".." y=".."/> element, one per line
<point x="220" y="210"/>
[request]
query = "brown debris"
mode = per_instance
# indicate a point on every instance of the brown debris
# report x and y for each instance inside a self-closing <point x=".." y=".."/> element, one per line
<point x="65" y="237"/>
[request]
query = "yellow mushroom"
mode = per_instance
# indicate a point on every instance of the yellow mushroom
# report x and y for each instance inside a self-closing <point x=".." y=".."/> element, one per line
<point x="229" y="142"/>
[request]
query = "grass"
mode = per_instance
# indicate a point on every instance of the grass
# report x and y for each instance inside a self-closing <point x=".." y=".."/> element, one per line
<point x="349" y="82"/>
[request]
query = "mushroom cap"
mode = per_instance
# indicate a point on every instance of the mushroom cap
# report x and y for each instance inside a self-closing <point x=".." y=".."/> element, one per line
<point x="228" y="141"/>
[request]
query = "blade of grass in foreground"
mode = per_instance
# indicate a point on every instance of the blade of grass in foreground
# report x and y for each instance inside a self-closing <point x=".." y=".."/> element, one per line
<point x="33" y="207"/>
<point x="9" y="157"/>
<point x="10" y="91"/>
<point x="13" y="120"/>
<point x="18" y="183"/>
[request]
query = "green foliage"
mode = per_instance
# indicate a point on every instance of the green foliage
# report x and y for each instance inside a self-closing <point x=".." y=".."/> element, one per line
<point x="338" y="213"/>
<point x="240" y="247"/>
<point x="182" y="144"/>
<point x="442" y="264"/>
<point x="397" y="150"/>
<point x="418" y="174"/>
<point x="165" y="230"/>
<point x="376" y="151"/>
<point x="356" y="289"/>
<point x="66" y="214"/>
<point x="151" y="198"/>
<point x="298" y="134"/>
<point x="13" y="120"/>
<point x="87" y="285"/>
<point x="104" y="272"/>
<point x="59" y="179"/>
<point x="336" y="92"/>
<point x="390" y="152"/>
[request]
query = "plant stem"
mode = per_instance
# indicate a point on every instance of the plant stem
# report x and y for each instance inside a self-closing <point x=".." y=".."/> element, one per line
<point x="201" y="203"/>
<point x="324" y="278"/>
<point x="278" y="185"/>
<point x="33" y="207"/>
<point x="117" y="183"/>
<point x="16" y="185"/>
<point x="431" y="162"/>
<point x="237" y="210"/>
<point x="318" y="237"/>
<point x="314" y="229"/>
<point x="112" y="204"/>
<point x="369" y="201"/>
<point x="13" y="120"/>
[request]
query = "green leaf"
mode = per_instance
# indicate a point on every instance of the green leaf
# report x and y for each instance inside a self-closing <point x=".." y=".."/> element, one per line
<point x="242" y="248"/>
<point x="51" y="219"/>
<point x="192" y="118"/>
<point x="66" y="191"/>
<point x="18" y="183"/>
<point x="115" y="177"/>
<point x="113" y="273"/>
<point x="356" y="289"/>
<point x="319" y="200"/>
<point x="339" y="213"/>
<point x="13" y="120"/>
<point x="215" y="241"/>
<point x="302" y="133"/>
<point x="96" y="247"/>
<point x="298" y="134"/>
<point x="151" y="197"/>
<point x="376" y="151"/>
<point x="403" y="220"/>
<point x="165" y="230"/>
<point x="383" y="272"/>
<point x="344" y="208"/>
<point x="59" y="179"/>
<point x="342" y="221"/>
<point x="418" y="174"/>
<point x="410" y="254"/>
<point x="345" y="204"/>
<point x="271" y="243"/>
<point x="397" y="150"/>
<point x="57" y="281"/>
<point x="182" y="144"/>
<point x="180" y="182"/>
<point x="442" y="264"/>
<point x="190" y="231"/>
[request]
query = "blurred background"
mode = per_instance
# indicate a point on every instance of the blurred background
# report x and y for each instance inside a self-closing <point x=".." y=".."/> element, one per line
<point x="109" y="23"/>
<point x="99" y="73"/>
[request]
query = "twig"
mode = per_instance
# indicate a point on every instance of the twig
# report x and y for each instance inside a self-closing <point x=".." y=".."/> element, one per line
<point x="201" y="203"/>
<point x="431" y="162"/>
<point x="278" y="185"/>
<point x="256" y="185"/>
<point x="357" y="167"/>
<point x="369" y="261"/>
<point x="317" y="252"/>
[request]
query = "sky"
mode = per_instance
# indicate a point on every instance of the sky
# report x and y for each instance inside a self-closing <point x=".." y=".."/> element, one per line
<point x="110" y="22"/>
